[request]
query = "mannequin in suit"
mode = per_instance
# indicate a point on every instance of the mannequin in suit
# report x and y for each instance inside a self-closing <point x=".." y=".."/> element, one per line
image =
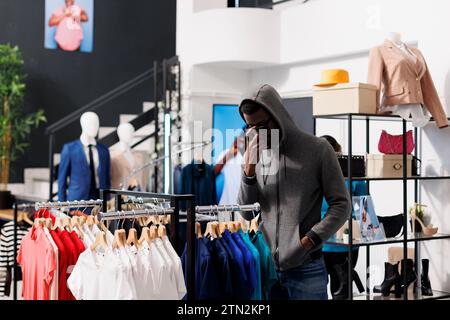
<point x="85" y="162"/>
<point x="124" y="160"/>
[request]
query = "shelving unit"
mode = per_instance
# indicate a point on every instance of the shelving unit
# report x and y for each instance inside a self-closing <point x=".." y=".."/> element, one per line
<point x="406" y="238"/>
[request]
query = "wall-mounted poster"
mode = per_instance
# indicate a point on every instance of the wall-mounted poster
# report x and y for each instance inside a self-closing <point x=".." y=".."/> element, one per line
<point x="69" y="25"/>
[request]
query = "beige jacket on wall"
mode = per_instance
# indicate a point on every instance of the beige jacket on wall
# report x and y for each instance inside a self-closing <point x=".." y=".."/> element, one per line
<point x="121" y="169"/>
<point x="402" y="81"/>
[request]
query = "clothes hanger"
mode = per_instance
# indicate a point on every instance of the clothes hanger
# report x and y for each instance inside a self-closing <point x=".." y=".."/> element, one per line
<point x="162" y="228"/>
<point x="132" y="234"/>
<point x="244" y="225"/>
<point x="119" y="238"/>
<point x="254" y="225"/>
<point x="48" y="223"/>
<point x="100" y="240"/>
<point x="198" y="230"/>
<point x="222" y="224"/>
<point x="23" y="216"/>
<point x="145" y="234"/>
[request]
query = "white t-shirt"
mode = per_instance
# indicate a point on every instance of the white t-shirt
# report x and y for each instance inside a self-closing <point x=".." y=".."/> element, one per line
<point x="99" y="275"/>
<point x="177" y="268"/>
<point x="143" y="277"/>
<point x="161" y="272"/>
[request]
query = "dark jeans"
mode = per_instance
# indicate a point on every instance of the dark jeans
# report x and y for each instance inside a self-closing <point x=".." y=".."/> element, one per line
<point x="306" y="282"/>
<point x="334" y="258"/>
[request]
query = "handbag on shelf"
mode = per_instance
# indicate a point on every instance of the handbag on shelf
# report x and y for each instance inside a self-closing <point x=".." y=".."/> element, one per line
<point x="393" y="144"/>
<point x="392" y="225"/>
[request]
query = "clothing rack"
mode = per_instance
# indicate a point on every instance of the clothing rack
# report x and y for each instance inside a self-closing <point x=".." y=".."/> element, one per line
<point x="105" y="216"/>
<point x="174" y="200"/>
<point x="157" y="160"/>
<point x="191" y="220"/>
<point x="67" y="204"/>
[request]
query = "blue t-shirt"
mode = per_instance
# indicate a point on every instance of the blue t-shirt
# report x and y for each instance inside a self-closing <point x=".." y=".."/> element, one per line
<point x="269" y="274"/>
<point x="257" y="294"/>
<point x="249" y="262"/>
<point x="222" y="265"/>
<point x="241" y="281"/>
<point x="206" y="279"/>
<point x="359" y="188"/>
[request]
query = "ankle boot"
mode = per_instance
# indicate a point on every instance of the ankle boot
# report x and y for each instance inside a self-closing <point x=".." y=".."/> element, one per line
<point x="425" y="281"/>
<point x="391" y="279"/>
<point x="408" y="268"/>
<point x="342" y="292"/>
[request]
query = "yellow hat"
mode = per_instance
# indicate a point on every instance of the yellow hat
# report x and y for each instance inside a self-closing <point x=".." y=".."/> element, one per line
<point x="333" y="76"/>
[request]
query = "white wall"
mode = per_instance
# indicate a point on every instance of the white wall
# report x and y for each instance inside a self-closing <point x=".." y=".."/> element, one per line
<point x="325" y="34"/>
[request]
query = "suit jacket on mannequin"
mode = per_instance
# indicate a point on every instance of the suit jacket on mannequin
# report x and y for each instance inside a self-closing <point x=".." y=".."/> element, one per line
<point x="403" y="81"/>
<point x="75" y="166"/>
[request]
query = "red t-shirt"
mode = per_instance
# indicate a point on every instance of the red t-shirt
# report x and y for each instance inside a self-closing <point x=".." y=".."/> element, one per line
<point x="62" y="258"/>
<point x="72" y="256"/>
<point x="78" y="243"/>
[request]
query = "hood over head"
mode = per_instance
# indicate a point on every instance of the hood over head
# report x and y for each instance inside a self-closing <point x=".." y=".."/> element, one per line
<point x="269" y="99"/>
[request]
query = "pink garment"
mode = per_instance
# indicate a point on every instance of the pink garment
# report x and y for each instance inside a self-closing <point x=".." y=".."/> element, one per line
<point x="69" y="32"/>
<point x="38" y="262"/>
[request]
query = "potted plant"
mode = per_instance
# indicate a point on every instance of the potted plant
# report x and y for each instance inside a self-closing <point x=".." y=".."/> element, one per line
<point x="15" y="126"/>
<point x="345" y="236"/>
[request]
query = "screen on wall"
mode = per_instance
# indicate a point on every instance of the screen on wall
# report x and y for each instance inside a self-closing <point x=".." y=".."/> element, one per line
<point x="226" y="121"/>
<point x="69" y="25"/>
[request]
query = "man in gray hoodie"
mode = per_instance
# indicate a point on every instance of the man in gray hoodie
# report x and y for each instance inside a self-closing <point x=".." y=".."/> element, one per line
<point x="290" y="182"/>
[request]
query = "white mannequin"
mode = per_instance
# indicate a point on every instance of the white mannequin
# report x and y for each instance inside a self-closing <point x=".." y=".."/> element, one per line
<point x="90" y="124"/>
<point x="125" y="131"/>
<point x="395" y="37"/>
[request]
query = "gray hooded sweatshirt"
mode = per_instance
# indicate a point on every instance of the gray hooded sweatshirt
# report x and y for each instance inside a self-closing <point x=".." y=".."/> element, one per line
<point x="291" y="199"/>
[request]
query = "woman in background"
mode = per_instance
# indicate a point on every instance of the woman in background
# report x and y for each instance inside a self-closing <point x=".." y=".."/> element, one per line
<point x="336" y="257"/>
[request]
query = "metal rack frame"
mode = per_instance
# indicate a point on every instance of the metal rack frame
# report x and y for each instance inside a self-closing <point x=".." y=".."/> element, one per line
<point x="350" y="117"/>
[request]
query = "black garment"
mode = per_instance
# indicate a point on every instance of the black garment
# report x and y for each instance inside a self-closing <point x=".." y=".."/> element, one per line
<point x="334" y="258"/>
<point x="199" y="179"/>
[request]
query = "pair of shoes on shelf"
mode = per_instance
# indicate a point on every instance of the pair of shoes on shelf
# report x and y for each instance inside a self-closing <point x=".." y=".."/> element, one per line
<point x="392" y="278"/>
<point x="342" y="271"/>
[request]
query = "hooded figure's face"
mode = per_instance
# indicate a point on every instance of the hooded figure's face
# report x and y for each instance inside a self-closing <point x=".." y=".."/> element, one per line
<point x="260" y="123"/>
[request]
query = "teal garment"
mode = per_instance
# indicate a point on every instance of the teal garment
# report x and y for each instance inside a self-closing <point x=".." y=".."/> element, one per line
<point x="359" y="188"/>
<point x="257" y="294"/>
<point x="269" y="275"/>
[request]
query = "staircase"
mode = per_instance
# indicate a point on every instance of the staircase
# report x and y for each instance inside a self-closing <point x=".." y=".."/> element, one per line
<point x="36" y="180"/>
<point x="165" y="79"/>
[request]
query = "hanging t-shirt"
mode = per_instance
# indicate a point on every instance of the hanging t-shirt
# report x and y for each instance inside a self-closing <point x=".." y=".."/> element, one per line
<point x="241" y="281"/>
<point x="206" y="278"/>
<point x="54" y="285"/>
<point x="257" y="294"/>
<point x="62" y="262"/>
<point x="199" y="179"/>
<point x="69" y="32"/>
<point x="269" y="274"/>
<point x="177" y="267"/>
<point x="38" y="261"/>
<point x="72" y="256"/>
<point x="223" y="268"/>
<point x="249" y="263"/>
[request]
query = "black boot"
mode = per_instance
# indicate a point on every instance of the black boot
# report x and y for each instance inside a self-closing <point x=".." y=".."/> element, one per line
<point x="425" y="281"/>
<point x="391" y="278"/>
<point x="342" y="292"/>
<point x="408" y="268"/>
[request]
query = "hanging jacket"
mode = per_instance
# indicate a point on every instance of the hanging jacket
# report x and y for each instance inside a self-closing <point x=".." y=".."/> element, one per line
<point x="402" y="81"/>
<point x="199" y="179"/>
<point x="291" y="199"/>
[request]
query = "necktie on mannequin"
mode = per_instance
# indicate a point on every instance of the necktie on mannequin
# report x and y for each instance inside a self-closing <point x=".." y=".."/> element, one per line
<point x="93" y="186"/>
